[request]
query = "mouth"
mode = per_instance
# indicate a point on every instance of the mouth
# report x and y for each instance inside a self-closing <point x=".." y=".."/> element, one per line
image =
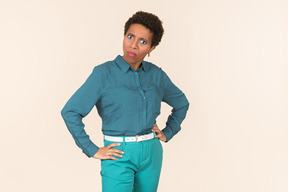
<point x="131" y="54"/>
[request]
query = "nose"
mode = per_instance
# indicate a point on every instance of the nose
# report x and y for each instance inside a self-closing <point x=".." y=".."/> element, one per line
<point x="134" y="45"/>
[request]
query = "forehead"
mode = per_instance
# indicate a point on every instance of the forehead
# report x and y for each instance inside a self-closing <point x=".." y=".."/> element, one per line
<point x="140" y="31"/>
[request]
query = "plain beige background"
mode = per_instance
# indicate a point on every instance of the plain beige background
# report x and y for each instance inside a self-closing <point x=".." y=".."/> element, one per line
<point x="228" y="56"/>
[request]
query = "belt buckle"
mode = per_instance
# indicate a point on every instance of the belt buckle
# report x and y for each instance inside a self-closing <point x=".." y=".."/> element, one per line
<point x="137" y="140"/>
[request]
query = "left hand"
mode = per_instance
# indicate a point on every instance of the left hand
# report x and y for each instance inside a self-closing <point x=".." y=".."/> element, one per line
<point x="159" y="134"/>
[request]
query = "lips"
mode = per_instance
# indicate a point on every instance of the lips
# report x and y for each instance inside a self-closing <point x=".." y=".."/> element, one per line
<point x="131" y="54"/>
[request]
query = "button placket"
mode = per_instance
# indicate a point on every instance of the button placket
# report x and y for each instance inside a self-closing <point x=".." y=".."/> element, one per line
<point x="143" y="108"/>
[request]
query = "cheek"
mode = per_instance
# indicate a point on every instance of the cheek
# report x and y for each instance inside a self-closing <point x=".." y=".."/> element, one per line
<point x="145" y="51"/>
<point x="125" y="43"/>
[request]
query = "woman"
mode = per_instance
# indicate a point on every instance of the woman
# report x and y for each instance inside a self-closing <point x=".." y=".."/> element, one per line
<point x="127" y="93"/>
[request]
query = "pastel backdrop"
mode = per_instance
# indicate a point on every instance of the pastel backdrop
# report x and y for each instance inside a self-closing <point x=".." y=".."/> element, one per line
<point x="228" y="56"/>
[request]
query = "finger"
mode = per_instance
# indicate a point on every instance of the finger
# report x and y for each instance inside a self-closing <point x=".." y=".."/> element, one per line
<point x="111" y="153"/>
<point x="158" y="136"/>
<point x="118" y="151"/>
<point x="109" y="156"/>
<point x="155" y="126"/>
<point x="112" y="158"/>
<point x="117" y="155"/>
<point x="156" y="131"/>
<point x="115" y="152"/>
<point x="113" y="145"/>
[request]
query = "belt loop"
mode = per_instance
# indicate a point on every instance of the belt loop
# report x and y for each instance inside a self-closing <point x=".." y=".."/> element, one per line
<point x="124" y="142"/>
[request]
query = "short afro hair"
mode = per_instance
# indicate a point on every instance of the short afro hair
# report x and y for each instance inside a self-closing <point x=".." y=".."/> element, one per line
<point x="150" y="21"/>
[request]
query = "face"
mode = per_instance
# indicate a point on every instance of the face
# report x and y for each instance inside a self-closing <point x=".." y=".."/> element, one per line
<point x="137" y="44"/>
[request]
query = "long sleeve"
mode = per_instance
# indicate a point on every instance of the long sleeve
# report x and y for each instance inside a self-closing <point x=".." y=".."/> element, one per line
<point x="78" y="106"/>
<point x="174" y="97"/>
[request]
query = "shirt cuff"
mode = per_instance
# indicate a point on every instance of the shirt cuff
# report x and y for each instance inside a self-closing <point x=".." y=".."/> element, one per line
<point x="91" y="150"/>
<point x="168" y="133"/>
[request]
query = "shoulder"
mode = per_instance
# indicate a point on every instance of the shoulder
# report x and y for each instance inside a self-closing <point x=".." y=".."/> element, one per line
<point x="100" y="71"/>
<point x="153" y="68"/>
<point x="103" y="68"/>
<point x="157" y="72"/>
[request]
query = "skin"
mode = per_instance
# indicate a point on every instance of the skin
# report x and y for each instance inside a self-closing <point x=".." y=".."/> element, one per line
<point x="137" y="43"/>
<point x="137" y="40"/>
<point x="159" y="134"/>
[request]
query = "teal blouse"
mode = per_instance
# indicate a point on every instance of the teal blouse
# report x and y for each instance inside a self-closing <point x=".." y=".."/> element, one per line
<point x="128" y="102"/>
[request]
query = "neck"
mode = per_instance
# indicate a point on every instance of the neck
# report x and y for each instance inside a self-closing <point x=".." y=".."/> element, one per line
<point x="135" y="66"/>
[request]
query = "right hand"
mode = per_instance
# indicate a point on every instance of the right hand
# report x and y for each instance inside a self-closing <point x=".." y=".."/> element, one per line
<point x="107" y="152"/>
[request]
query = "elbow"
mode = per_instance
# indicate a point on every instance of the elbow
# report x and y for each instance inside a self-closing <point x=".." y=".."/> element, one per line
<point x="188" y="104"/>
<point x="63" y="112"/>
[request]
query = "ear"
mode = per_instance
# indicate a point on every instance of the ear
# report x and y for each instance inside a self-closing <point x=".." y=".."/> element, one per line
<point x="152" y="48"/>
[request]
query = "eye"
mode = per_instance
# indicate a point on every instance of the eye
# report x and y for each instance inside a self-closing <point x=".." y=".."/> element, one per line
<point x="144" y="42"/>
<point x="130" y="36"/>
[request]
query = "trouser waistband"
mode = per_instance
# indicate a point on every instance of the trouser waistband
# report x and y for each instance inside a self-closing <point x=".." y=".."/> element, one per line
<point x="137" y="138"/>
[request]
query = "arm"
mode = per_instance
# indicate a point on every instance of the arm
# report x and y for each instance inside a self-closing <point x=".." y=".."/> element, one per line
<point x="78" y="106"/>
<point x="174" y="97"/>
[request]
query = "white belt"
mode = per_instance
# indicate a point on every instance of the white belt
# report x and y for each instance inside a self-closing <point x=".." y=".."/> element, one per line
<point x="137" y="138"/>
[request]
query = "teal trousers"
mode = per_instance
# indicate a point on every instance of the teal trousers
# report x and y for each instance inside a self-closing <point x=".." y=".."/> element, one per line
<point x="137" y="171"/>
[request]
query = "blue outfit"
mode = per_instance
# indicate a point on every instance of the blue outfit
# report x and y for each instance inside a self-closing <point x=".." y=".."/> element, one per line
<point x="128" y="102"/>
<point x="137" y="171"/>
